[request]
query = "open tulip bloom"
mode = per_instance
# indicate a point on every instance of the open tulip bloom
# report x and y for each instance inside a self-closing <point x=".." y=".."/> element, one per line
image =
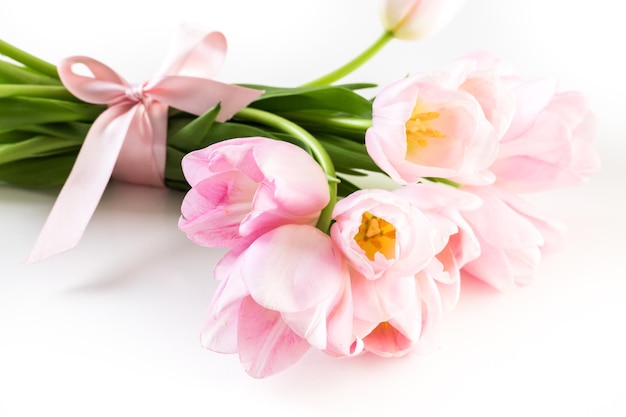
<point x="314" y="260"/>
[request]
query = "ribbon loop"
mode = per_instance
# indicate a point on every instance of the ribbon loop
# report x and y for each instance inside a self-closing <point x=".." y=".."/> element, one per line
<point x="102" y="86"/>
<point x="128" y="140"/>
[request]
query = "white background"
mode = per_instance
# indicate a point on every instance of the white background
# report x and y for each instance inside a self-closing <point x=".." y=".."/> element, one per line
<point x="111" y="328"/>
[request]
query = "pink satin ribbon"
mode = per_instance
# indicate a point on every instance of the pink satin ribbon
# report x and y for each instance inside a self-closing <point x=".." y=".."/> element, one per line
<point x="128" y="140"/>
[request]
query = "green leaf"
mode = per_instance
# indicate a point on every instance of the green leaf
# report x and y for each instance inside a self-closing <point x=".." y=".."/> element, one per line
<point x="13" y="136"/>
<point x="39" y="91"/>
<point x="38" y="172"/>
<point x="23" y="112"/>
<point x="37" y="146"/>
<point x="194" y="132"/>
<point x="217" y="133"/>
<point x="347" y="155"/>
<point x="345" y="187"/>
<point x="174" y="177"/>
<point x="330" y="99"/>
<point x="76" y="131"/>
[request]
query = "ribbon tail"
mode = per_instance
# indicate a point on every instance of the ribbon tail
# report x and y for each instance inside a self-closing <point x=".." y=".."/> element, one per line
<point x="85" y="185"/>
<point x="197" y="95"/>
<point x="142" y="157"/>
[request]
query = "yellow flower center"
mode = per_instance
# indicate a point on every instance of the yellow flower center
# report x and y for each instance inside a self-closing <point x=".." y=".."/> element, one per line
<point x="376" y="235"/>
<point x="418" y="131"/>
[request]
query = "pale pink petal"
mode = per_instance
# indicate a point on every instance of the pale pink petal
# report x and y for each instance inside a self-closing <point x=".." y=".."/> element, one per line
<point x="409" y="321"/>
<point x="310" y="325"/>
<point x="380" y="300"/>
<point x="444" y="271"/>
<point x="386" y="341"/>
<point x="439" y="198"/>
<point x="432" y="312"/>
<point x="300" y="194"/>
<point x="496" y="101"/>
<point x="219" y="157"/>
<point x="219" y="328"/>
<point x="585" y="158"/>
<point x="396" y="100"/>
<point x="389" y="155"/>
<point x="551" y="230"/>
<point x="293" y="268"/>
<point x="213" y="210"/>
<point x="512" y="236"/>
<point x="450" y="290"/>
<point x="549" y="135"/>
<point x="341" y="335"/>
<point x="553" y="148"/>
<point x="530" y="98"/>
<point x="496" y="223"/>
<point x="266" y="343"/>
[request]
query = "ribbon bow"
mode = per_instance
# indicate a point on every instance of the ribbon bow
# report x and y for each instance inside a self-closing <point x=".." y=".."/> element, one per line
<point x="128" y="140"/>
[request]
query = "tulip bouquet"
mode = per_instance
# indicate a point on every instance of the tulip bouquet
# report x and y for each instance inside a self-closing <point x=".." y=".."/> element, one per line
<point x="315" y="258"/>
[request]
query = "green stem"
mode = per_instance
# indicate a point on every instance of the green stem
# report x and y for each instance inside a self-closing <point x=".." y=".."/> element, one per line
<point x="18" y="74"/>
<point x="40" y="91"/>
<point x="359" y="60"/>
<point x="305" y="138"/>
<point x="343" y="123"/>
<point x="28" y="60"/>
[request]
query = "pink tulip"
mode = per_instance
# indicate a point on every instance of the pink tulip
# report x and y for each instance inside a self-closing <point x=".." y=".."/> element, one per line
<point x="444" y="125"/>
<point x="413" y="19"/>
<point x="282" y="295"/>
<point x="445" y="207"/>
<point x="550" y="144"/>
<point x="381" y="234"/>
<point x="512" y="235"/>
<point x="404" y="262"/>
<point x="397" y="315"/>
<point x="242" y="188"/>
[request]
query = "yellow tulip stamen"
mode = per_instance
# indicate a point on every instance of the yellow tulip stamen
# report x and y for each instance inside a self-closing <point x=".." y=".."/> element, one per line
<point x="418" y="132"/>
<point x="376" y="235"/>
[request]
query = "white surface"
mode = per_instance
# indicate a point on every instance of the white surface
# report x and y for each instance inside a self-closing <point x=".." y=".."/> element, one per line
<point x="111" y="328"/>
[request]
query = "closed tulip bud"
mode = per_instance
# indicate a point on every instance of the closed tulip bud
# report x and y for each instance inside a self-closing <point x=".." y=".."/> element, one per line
<point x="413" y="19"/>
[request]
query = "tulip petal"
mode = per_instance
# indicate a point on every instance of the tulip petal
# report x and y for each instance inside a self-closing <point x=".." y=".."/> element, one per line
<point x="530" y="98"/>
<point x="382" y="299"/>
<point x="213" y="210"/>
<point x="293" y="268"/>
<point x="386" y="341"/>
<point x="310" y="324"/>
<point x="266" y="343"/>
<point x="341" y="338"/>
<point x="432" y="311"/>
<point x="299" y="194"/>
<point x="219" y="329"/>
